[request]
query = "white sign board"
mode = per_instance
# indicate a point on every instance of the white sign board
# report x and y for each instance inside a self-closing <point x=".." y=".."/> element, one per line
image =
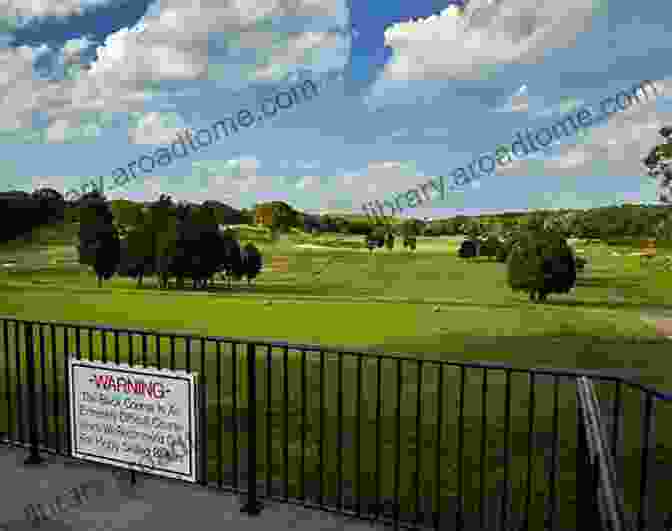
<point x="134" y="417"/>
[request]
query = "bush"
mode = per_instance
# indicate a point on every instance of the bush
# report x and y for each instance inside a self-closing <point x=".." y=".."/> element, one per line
<point x="490" y="246"/>
<point x="389" y="241"/>
<point x="541" y="262"/>
<point x="468" y="249"/>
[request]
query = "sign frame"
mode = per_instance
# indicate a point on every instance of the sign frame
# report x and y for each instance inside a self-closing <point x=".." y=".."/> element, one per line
<point x="193" y="404"/>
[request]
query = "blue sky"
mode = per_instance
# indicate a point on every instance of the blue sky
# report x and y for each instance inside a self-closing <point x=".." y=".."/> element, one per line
<point x="409" y="90"/>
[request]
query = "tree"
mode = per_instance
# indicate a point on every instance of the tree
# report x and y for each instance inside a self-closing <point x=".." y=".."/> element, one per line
<point x="664" y="228"/>
<point x="468" y="249"/>
<point x="252" y="260"/>
<point x="376" y="238"/>
<point x="389" y="241"/>
<point x="659" y="164"/>
<point x="233" y="265"/>
<point x="412" y="227"/>
<point x="136" y="256"/>
<point x="490" y="246"/>
<point x="473" y="229"/>
<point x="540" y="263"/>
<point x="461" y="224"/>
<point x="371" y="242"/>
<point x="99" y="244"/>
<point x="51" y="204"/>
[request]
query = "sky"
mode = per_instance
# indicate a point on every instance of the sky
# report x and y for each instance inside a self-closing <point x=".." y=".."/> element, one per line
<point x="407" y="91"/>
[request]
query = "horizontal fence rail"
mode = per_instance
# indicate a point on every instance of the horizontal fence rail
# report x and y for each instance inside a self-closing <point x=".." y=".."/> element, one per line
<point x="410" y="442"/>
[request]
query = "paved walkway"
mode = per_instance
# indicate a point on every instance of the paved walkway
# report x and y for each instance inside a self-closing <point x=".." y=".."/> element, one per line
<point x="96" y="498"/>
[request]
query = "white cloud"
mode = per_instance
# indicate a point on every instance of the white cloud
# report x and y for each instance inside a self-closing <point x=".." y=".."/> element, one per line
<point x="615" y="147"/>
<point x="449" y="45"/>
<point x="44" y="8"/>
<point x="156" y="128"/>
<point x="171" y="43"/>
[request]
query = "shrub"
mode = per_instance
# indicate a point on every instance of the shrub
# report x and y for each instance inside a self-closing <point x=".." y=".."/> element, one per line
<point x="468" y="249"/>
<point x="410" y="242"/>
<point x="490" y="246"/>
<point x="389" y="241"/>
<point x="541" y="262"/>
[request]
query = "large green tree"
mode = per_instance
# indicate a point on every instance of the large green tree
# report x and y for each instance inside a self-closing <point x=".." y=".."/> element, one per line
<point x="541" y="262"/>
<point x="253" y="261"/>
<point x="99" y="244"/>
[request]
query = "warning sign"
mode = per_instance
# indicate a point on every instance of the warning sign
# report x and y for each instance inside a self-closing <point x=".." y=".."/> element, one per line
<point x="134" y="417"/>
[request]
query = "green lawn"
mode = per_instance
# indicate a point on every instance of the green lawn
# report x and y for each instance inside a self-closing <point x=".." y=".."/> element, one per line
<point x="383" y="301"/>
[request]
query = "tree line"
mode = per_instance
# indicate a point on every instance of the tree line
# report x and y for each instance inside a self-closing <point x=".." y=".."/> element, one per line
<point x="164" y="239"/>
<point x="22" y="212"/>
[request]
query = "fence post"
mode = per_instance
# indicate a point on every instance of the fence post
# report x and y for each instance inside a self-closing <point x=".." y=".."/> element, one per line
<point x="34" y="457"/>
<point x="252" y="507"/>
<point x="587" y="514"/>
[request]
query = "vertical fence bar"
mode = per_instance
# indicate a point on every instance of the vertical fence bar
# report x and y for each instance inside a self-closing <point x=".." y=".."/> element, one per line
<point x="439" y="422"/>
<point x="158" y="350"/>
<point x="66" y="371"/>
<point x="269" y="433"/>
<point x="418" y="444"/>
<point x="130" y="348"/>
<point x="642" y="516"/>
<point x="252" y="507"/>
<point x="321" y="498"/>
<point x="358" y="439"/>
<point x="285" y="419"/>
<point x="116" y="347"/>
<point x="8" y="379"/>
<point x="378" y="445"/>
<point x="34" y="457"/>
<point x="187" y="341"/>
<point x="203" y="386"/>
<point x="103" y="340"/>
<point x="220" y="421"/>
<point x="507" y="430"/>
<point x="54" y="367"/>
<point x="172" y="353"/>
<point x="144" y="350"/>
<point x="78" y="342"/>
<point x="303" y="426"/>
<point x="484" y="429"/>
<point x="616" y="414"/>
<point x="459" y="517"/>
<point x="234" y="384"/>
<point x="90" y="334"/>
<point x="397" y="464"/>
<point x="554" y="455"/>
<point x="530" y="449"/>
<point x="19" y="387"/>
<point x="339" y="420"/>
<point x="43" y="372"/>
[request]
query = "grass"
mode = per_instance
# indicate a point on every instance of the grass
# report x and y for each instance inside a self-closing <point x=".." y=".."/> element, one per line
<point x="384" y="301"/>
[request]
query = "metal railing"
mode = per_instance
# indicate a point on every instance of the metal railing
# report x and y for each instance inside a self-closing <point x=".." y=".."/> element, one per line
<point x="596" y="474"/>
<point x="409" y="442"/>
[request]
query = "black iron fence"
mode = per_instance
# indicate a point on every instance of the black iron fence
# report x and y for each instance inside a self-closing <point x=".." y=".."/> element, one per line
<point x="410" y="442"/>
